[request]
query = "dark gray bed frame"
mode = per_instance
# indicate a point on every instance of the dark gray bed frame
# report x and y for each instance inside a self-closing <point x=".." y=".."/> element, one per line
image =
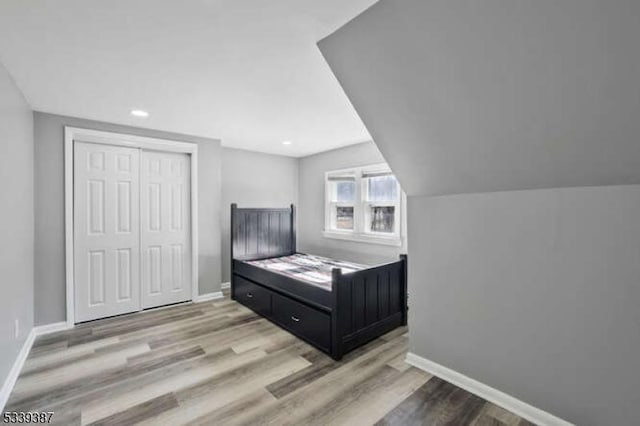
<point x="361" y="306"/>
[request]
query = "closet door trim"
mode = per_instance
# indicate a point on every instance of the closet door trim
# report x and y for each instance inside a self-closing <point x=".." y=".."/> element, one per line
<point x="72" y="134"/>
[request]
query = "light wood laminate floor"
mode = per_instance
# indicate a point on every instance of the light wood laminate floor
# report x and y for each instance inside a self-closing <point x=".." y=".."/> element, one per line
<point x="219" y="363"/>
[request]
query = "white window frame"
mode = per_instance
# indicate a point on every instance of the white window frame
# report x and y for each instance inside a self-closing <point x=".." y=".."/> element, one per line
<point x="361" y="208"/>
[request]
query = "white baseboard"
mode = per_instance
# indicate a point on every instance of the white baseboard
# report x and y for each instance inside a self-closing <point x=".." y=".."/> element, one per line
<point x="225" y="285"/>
<point x="492" y="395"/>
<point x="209" y="296"/>
<point x="10" y="381"/>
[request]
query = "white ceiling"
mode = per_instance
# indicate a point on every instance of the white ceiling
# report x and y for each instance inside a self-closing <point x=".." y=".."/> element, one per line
<point x="245" y="71"/>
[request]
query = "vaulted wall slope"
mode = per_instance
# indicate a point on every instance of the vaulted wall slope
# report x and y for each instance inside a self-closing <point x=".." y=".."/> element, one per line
<point x="477" y="96"/>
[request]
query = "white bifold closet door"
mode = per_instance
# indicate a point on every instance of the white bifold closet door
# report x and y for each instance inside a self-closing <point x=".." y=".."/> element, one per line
<point x="132" y="230"/>
<point x="106" y="230"/>
<point x="165" y="228"/>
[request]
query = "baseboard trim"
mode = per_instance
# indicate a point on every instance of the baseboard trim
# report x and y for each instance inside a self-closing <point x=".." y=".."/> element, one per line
<point x="492" y="395"/>
<point x="10" y="381"/>
<point x="225" y="285"/>
<point x="209" y="296"/>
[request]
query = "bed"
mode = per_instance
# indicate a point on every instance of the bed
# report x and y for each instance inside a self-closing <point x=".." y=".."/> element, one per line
<point x="334" y="305"/>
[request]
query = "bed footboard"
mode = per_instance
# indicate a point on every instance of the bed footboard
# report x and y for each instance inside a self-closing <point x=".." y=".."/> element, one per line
<point x="367" y="304"/>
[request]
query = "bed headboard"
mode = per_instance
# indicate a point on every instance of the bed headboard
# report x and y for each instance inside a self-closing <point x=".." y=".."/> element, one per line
<point x="262" y="233"/>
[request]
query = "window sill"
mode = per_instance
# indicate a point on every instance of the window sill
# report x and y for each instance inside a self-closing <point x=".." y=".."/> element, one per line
<point x="364" y="238"/>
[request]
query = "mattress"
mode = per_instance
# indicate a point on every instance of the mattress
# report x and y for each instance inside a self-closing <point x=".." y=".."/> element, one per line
<point x="314" y="270"/>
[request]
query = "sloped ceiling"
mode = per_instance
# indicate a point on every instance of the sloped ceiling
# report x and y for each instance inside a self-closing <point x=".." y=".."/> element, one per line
<point x="475" y="96"/>
<point x="244" y="71"/>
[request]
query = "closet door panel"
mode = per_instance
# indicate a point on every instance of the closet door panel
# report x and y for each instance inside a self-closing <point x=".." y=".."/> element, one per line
<point x="165" y="228"/>
<point x="106" y="231"/>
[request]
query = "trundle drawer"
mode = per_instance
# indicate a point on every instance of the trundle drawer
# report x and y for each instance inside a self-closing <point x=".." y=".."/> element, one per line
<point x="302" y="320"/>
<point x="253" y="296"/>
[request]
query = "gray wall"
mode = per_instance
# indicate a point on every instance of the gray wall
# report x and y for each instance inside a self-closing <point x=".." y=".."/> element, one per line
<point x="253" y="179"/>
<point x="50" y="296"/>
<point x="534" y="293"/>
<point x="312" y="198"/>
<point x="477" y="96"/>
<point x="16" y="220"/>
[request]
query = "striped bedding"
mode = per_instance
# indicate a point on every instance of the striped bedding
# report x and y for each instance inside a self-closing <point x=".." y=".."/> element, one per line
<point x="314" y="270"/>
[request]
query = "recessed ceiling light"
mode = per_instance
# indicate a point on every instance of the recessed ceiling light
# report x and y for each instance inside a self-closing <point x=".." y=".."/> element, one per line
<point x="286" y="143"/>
<point x="139" y="113"/>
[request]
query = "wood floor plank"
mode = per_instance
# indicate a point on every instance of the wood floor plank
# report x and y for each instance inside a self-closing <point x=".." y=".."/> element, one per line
<point x="42" y="359"/>
<point x="295" y="381"/>
<point x="321" y="364"/>
<point x="140" y="412"/>
<point x="294" y="408"/>
<point x="399" y="363"/>
<point x="492" y="411"/>
<point x="218" y="362"/>
<point x="47" y="348"/>
<point x="108" y="405"/>
<point x="204" y="398"/>
<point x="167" y="327"/>
<point x="238" y="411"/>
<point x="484" y="420"/>
<point x="212" y="337"/>
<point x="195" y="333"/>
<point x="45" y="380"/>
<point x="54" y="363"/>
<point x="156" y="360"/>
<point x="264" y="339"/>
<point x="81" y="392"/>
<point x="436" y="403"/>
<point x="117" y="331"/>
<point x="61" y="336"/>
<point x="370" y="400"/>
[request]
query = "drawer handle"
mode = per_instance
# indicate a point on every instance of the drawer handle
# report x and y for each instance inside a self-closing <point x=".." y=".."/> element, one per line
<point x="296" y="319"/>
<point x="250" y="295"/>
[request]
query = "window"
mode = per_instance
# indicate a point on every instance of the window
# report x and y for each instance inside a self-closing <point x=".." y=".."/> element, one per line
<point x="363" y="204"/>
<point x="342" y="200"/>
